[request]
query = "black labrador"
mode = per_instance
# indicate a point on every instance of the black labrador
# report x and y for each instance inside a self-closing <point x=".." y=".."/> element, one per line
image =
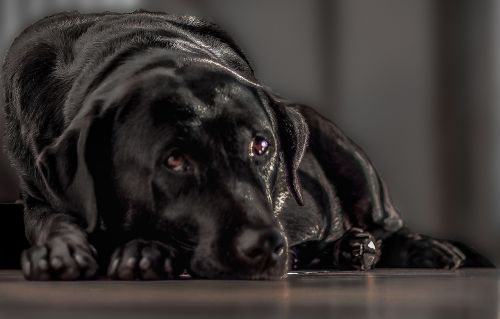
<point x="145" y="146"/>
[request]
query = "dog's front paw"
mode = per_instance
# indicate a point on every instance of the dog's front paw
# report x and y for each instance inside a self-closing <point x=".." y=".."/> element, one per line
<point x="358" y="250"/>
<point x="431" y="253"/>
<point x="60" y="258"/>
<point x="146" y="260"/>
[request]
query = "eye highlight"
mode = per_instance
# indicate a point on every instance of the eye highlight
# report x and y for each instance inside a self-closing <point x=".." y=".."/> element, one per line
<point x="259" y="146"/>
<point x="177" y="162"/>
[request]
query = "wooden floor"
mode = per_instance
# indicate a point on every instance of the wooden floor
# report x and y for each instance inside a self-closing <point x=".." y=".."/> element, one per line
<point x="379" y="294"/>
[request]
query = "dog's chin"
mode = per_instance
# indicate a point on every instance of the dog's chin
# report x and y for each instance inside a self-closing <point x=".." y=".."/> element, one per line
<point x="207" y="270"/>
<point x="238" y="276"/>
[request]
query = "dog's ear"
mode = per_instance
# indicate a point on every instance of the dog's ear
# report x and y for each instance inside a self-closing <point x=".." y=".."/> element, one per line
<point x="65" y="165"/>
<point x="293" y="134"/>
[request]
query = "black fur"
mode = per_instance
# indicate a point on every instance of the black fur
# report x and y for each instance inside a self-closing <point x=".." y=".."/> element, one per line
<point x="96" y="105"/>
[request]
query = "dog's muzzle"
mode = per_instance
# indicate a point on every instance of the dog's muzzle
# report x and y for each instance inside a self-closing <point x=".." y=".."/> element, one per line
<point x="259" y="249"/>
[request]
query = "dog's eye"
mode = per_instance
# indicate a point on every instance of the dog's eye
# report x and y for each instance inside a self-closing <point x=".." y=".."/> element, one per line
<point x="259" y="146"/>
<point x="177" y="162"/>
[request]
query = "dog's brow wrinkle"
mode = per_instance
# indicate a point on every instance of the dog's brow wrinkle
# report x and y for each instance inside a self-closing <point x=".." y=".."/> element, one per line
<point x="236" y="74"/>
<point x="222" y="95"/>
<point x="201" y="110"/>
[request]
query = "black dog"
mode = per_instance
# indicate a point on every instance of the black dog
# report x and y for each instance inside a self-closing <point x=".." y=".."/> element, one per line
<point x="147" y="136"/>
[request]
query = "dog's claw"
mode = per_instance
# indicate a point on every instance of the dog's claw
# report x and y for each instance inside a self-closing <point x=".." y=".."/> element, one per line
<point x="131" y="262"/>
<point x="43" y="265"/>
<point x="26" y="266"/>
<point x="145" y="263"/>
<point x="56" y="263"/>
<point x="168" y="266"/>
<point x="113" y="266"/>
<point x="81" y="260"/>
<point x="140" y="259"/>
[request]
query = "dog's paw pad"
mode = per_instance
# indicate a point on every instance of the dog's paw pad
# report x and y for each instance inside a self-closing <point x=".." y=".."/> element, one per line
<point x="146" y="260"/>
<point x="59" y="259"/>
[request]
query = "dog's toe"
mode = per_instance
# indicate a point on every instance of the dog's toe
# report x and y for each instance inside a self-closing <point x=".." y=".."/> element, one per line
<point x="35" y="264"/>
<point x="140" y="259"/>
<point x="59" y="259"/>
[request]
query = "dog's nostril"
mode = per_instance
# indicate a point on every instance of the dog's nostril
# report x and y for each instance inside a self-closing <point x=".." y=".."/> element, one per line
<point x="254" y="253"/>
<point x="255" y="246"/>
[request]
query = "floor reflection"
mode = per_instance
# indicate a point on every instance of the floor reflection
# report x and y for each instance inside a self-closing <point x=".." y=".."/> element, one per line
<point x="379" y="294"/>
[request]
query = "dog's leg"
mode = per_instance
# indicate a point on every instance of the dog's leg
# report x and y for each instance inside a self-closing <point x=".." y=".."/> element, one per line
<point x="361" y="192"/>
<point x="408" y="249"/>
<point x="360" y="250"/>
<point x="60" y="248"/>
<point x="145" y="260"/>
<point x="365" y="199"/>
<point x="356" y="250"/>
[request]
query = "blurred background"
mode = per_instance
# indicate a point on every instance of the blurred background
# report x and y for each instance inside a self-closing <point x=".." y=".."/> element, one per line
<point x="415" y="83"/>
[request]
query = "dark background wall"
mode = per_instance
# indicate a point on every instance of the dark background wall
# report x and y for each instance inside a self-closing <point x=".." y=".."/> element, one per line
<point x="413" y="82"/>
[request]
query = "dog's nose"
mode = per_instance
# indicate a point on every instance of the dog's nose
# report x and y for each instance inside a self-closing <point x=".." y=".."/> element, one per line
<point x="260" y="247"/>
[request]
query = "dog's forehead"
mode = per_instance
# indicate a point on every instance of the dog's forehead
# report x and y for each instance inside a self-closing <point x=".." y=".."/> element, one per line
<point x="208" y="101"/>
<point x="196" y="97"/>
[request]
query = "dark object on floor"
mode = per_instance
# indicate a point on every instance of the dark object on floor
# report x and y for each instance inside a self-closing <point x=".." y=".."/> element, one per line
<point x="12" y="238"/>
<point x="146" y="146"/>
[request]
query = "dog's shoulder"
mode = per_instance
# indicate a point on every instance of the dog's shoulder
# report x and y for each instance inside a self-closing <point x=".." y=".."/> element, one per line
<point x="43" y="41"/>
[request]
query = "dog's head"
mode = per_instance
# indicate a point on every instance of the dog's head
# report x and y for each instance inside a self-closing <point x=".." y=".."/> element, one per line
<point x="194" y="155"/>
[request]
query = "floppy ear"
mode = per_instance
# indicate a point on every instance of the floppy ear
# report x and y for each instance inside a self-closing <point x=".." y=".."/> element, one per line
<point x="64" y="168"/>
<point x="294" y="134"/>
